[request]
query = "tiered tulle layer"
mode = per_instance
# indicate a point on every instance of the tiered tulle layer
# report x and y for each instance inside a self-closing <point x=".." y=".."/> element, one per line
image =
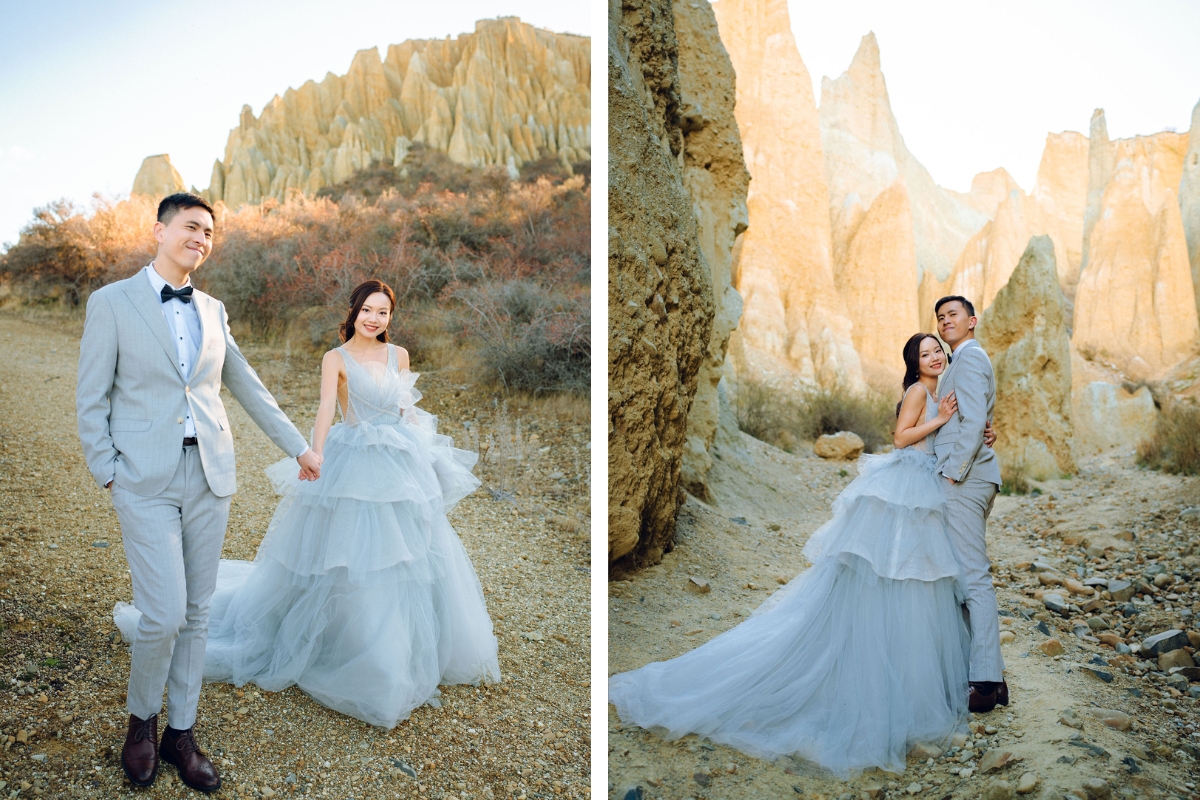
<point x="858" y="658"/>
<point x="361" y="593"/>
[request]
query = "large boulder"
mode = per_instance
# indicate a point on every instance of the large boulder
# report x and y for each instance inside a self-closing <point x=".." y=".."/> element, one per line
<point x="157" y="178"/>
<point x="795" y="326"/>
<point x="660" y="298"/>
<point x="1025" y="334"/>
<point x="1107" y="412"/>
<point x="715" y="176"/>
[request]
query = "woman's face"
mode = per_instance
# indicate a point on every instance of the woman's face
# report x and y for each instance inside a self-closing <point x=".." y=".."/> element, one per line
<point x="374" y="316"/>
<point x="933" y="359"/>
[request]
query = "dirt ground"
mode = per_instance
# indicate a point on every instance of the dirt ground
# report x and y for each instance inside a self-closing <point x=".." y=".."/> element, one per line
<point x="768" y="502"/>
<point x="63" y="670"/>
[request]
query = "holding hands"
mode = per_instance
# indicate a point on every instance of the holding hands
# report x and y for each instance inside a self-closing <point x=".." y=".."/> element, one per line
<point x="310" y="465"/>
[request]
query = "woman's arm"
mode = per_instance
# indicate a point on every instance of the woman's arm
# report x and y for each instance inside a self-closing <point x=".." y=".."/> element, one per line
<point x="401" y="357"/>
<point x="332" y="367"/>
<point x="908" y="431"/>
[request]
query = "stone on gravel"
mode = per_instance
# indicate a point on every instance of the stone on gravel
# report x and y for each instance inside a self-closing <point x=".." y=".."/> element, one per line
<point x="998" y="790"/>
<point x="913" y="788"/>
<point x="840" y="446"/>
<point x="1097" y="789"/>
<point x="1098" y="624"/>
<point x="1029" y="781"/>
<point x="1109" y="638"/>
<point x="1117" y="720"/>
<point x="1194" y="639"/>
<point x="924" y="750"/>
<point x="1175" y="658"/>
<point x="698" y="586"/>
<point x="1121" y="591"/>
<point x="1007" y="637"/>
<point x="1071" y="719"/>
<point x="1050" y="579"/>
<point x="1052" y="647"/>
<point x="1075" y="587"/>
<point x="1164" y="642"/>
<point x="994" y="759"/>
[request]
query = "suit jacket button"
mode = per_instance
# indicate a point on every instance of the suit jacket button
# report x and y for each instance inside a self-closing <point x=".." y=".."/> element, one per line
<point x="179" y="420"/>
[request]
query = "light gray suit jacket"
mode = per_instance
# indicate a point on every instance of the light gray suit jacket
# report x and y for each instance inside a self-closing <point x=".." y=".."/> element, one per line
<point x="958" y="445"/>
<point x="131" y="396"/>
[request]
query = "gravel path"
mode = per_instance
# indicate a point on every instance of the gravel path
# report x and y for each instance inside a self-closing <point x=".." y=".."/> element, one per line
<point x="1132" y="518"/>
<point x="63" y="669"/>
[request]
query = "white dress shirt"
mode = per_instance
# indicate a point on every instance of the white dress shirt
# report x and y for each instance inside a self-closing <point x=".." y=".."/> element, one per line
<point x="184" y="325"/>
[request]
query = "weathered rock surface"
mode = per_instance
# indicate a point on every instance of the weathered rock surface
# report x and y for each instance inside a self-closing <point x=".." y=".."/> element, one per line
<point x="1104" y="413"/>
<point x="157" y="178"/>
<point x="715" y="176"/>
<point x="1135" y="305"/>
<point x="1189" y="199"/>
<point x="1025" y="334"/>
<point x="1060" y="192"/>
<point x="865" y="153"/>
<point x="660" y="286"/>
<point x="795" y="325"/>
<point x="506" y="94"/>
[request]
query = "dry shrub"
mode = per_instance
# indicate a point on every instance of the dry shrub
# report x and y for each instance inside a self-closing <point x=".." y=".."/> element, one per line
<point x="501" y="268"/>
<point x="1175" y="445"/>
<point x="1014" y="477"/>
<point x="781" y="418"/>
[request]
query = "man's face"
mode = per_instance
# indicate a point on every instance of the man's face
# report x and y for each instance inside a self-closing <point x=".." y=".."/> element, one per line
<point x="186" y="238"/>
<point x="954" y="323"/>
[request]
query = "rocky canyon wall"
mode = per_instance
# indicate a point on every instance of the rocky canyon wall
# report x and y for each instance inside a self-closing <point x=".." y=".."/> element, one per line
<point x="796" y="329"/>
<point x="661" y="294"/>
<point x="506" y="94"/>
<point x="157" y="178"/>
<point x="1189" y="199"/>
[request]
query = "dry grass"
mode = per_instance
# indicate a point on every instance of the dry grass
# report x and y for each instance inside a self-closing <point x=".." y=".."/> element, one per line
<point x="1175" y="445"/>
<point x="1014" y="477"/>
<point x="783" y="418"/>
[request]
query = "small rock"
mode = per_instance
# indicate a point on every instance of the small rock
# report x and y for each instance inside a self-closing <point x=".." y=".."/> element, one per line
<point x="40" y="757"/>
<point x="1097" y="789"/>
<point x="1052" y="647"/>
<point x="631" y="793"/>
<point x="966" y="773"/>
<point x="1075" y="587"/>
<point x="100" y="543"/>
<point x="1049" y="579"/>
<point x="1117" y="720"/>
<point x="1098" y="624"/>
<point x="1164" y="642"/>
<point x="913" y="788"/>
<point x="267" y="791"/>
<point x="993" y="760"/>
<point x="697" y="585"/>
<point x="1055" y="603"/>
<point x="1175" y="658"/>
<point x="1109" y="638"/>
<point x="924" y="750"/>
<point x="1121" y="591"/>
<point x="731" y="768"/>
<point x="1029" y="781"/>
<point x="1163" y="580"/>
<point x="1071" y="719"/>
<point x="22" y="737"/>
<point x="534" y="636"/>
<point x="701" y="778"/>
<point x="841" y="446"/>
<point x="1007" y="637"/>
<point x="998" y="790"/>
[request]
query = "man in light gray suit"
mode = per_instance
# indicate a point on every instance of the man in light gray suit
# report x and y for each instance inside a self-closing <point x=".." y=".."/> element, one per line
<point x="973" y="473"/>
<point x="152" y="361"/>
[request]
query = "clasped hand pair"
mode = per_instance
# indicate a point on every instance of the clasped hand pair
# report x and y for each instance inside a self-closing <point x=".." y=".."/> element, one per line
<point x="310" y="464"/>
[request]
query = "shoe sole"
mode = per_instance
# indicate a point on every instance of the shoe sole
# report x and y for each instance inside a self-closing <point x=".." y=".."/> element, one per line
<point x="190" y="785"/>
<point x="135" y="781"/>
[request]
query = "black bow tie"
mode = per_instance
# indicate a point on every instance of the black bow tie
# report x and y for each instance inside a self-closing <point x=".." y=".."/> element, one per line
<point x="184" y="294"/>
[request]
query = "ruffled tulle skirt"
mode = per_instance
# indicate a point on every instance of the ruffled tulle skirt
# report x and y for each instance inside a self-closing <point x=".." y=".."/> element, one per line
<point x="854" y="661"/>
<point x="361" y="593"/>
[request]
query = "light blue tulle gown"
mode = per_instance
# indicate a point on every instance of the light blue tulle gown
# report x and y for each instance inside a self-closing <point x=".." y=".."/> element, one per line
<point x="361" y="593"/>
<point x="858" y="658"/>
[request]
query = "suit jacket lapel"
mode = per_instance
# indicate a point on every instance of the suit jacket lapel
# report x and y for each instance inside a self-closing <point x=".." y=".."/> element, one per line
<point x="149" y="305"/>
<point x="204" y="309"/>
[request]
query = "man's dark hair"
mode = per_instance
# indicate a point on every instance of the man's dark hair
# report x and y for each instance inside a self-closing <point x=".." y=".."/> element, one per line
<point x="172" y="204"/>
<point x="967" y="304"/>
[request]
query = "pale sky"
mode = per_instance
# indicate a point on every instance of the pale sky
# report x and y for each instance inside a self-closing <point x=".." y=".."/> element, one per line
<point x="975" y="86"/>
<point x="88" y="89"/>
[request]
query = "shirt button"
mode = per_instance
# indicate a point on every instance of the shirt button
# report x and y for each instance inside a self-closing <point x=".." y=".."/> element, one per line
<point x="187" y="389"/>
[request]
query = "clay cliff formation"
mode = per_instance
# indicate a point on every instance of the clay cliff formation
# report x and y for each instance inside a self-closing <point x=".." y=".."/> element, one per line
<point x="1189" y="199"/>
<point x="715" y="176"/>
<point x="661" y="294"/>
<point x="157" y="178"/>
<point x="1025" y="332"/>
<point x="795" y="328"/>
<point x="506" y="94"/>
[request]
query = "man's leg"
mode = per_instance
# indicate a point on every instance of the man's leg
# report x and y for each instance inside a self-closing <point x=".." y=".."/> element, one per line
<point x="204" y="517"/>
<point x="151" y="531"/>
<point x="968" y="505"/>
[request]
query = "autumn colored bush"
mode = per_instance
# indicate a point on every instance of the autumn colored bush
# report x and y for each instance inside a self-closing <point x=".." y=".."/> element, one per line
<point x="502" y="266"/>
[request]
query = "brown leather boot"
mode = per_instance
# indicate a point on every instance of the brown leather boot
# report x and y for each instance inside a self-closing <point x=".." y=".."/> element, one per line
<point x="139" y="756"/>
<point x="179" y="749"/>
<point x="982" y="697"/>
<point x="1002" y="693"/>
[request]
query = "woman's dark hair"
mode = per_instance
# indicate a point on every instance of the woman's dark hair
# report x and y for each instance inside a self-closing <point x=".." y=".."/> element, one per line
<point x="912" y="361"/>
<point x="357" y="298"/>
